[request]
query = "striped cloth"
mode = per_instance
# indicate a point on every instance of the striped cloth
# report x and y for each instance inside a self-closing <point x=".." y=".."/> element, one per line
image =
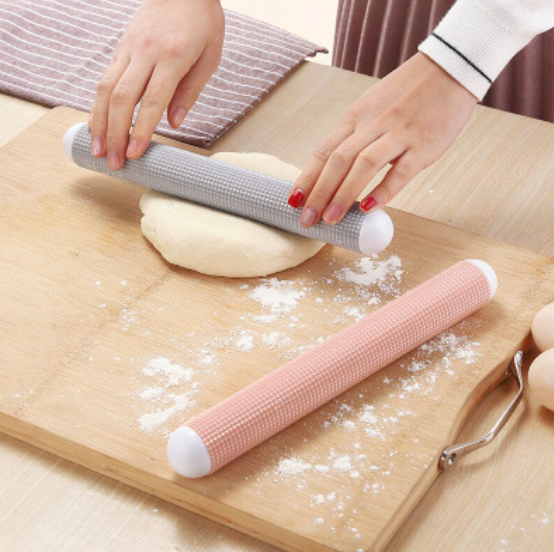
<point x="54" y="52"/>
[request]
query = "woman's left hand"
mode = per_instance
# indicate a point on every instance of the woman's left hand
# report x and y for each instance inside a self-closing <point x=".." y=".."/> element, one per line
<point x="408" y="119"/>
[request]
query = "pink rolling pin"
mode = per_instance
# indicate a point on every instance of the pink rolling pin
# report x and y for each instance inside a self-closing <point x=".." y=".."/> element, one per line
<point x="247" y="418"/>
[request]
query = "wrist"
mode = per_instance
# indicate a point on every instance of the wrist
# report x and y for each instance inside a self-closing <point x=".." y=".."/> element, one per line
<point x="441" y="74"/>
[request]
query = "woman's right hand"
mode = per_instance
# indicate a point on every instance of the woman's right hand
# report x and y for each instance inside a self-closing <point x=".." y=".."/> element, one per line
<point x="408" y="120"/>
<point x="165" y="57"/>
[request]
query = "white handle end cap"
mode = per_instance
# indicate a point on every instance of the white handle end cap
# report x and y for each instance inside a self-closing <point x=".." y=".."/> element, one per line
<point x="68" y="139"/>
<point x="376" y="232"/>
<point x="187" y="454"/>
<point x="490" y="274"/>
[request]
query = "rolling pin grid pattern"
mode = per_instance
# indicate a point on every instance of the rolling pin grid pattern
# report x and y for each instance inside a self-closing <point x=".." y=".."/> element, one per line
<point x="222" y="186"/>
<point x="269" y="405"/>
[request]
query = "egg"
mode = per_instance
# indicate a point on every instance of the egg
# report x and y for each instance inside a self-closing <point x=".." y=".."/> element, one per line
<point x="543" y="328"/>
<point x="541" y="379"/>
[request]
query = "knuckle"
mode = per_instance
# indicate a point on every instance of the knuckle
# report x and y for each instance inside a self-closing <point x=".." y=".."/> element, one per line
<point x="323" y="152"/>
<point x="105" y="86"/>
<point x="319" y="195"/>
<point x="152" y="98"/>
<point x="368" y="159"/>
<point x="173" y="48"/>
<point x="120" y="96"/>
<point x="146" y="42"/>
<point x="405" y="170"/>
<point x="113" y="139"/>
<point x="339" y="158"/>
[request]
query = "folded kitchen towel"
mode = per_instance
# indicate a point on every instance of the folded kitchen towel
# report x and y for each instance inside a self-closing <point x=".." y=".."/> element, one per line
<point x="55" y="51"/>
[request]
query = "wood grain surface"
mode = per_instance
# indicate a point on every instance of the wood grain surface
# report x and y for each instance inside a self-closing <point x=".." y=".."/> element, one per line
<point x="487" y="502"/>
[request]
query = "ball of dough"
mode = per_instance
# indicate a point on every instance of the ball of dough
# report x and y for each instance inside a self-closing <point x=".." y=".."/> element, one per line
<point x="541" y="379"/>
<point x="543" y="328"/>
<point x="218" y="243"/>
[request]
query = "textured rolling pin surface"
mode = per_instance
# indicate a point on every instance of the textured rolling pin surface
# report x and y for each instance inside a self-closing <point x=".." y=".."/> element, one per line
<point x="222" y="186"/>
<point x="269" y="405"/>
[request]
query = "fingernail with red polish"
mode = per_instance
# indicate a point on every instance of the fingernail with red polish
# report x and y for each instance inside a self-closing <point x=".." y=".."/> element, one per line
<point x="308" y="217"/>
<point x="331" y="216"/>
<point x="97" y="146"/>
<point x="296" y="198"/>
<point x="368" y="203"/>
<point x="113" y="160"/>
<point x="132" y="148"/>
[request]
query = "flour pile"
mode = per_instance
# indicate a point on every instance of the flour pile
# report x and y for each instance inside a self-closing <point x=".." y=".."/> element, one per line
<point x="168" y="375"/>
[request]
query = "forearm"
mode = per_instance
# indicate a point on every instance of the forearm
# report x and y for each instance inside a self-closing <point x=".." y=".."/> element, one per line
<point x="477" y="38"/>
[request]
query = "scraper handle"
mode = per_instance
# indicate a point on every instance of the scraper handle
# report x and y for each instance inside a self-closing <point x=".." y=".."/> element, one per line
<point x="232" y="189"/>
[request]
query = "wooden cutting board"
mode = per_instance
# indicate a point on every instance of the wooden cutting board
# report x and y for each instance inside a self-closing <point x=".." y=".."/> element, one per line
<point x="86" y="304"/>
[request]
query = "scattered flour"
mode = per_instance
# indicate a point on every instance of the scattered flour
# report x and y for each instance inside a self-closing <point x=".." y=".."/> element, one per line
<point x="275" y="339"/>
<point x="206" y="358"/>
<point x="173" y="373"/>
<point x="245" y="341"/>
<point x="369" y="420"/>
<point x="342" y="463"/>
<point x="368" y="283"/>
<point x="293" y="466"/>
<point x="279" y="300"/>
<point x="355" y="312"/>
<point x="150" y="421"/>
<point x="150" y="393"/>
<point x="385" y="275"/>
<point x="169" y="375"/>
<point x="279" y="296"/>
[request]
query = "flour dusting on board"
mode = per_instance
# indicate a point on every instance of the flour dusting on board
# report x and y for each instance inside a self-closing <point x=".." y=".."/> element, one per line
<point x="363" y="422"/>
<point x="386" y="275"/>
<point x="279" y="296"/>
<point x="273" y="320"/>
<point x="168" y="375"/>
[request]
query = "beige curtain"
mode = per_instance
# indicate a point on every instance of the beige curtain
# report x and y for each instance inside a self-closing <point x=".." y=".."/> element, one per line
<point x="375" y="36"/>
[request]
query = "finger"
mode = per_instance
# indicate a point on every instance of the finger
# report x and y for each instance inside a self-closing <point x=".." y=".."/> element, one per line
<point x="307" y="179"/>
<point x="334" y="172"/>
<point x="100" y="108"/>
<point x="157" y="96"/>
<point x="368" y="163"/>
<point x="125" y="97"/>
<point x="403" y="170"/>
<point x="189" y="88"/>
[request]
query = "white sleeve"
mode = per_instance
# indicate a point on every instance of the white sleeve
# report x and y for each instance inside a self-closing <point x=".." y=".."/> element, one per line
<point x="477" y="38"/>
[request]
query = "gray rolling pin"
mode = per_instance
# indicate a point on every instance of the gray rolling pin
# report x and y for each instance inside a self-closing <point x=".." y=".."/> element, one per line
<point x="232" y="189"/>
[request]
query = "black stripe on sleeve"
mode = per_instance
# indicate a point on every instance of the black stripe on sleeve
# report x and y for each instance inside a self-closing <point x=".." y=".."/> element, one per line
<point x="468" y="61"/>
